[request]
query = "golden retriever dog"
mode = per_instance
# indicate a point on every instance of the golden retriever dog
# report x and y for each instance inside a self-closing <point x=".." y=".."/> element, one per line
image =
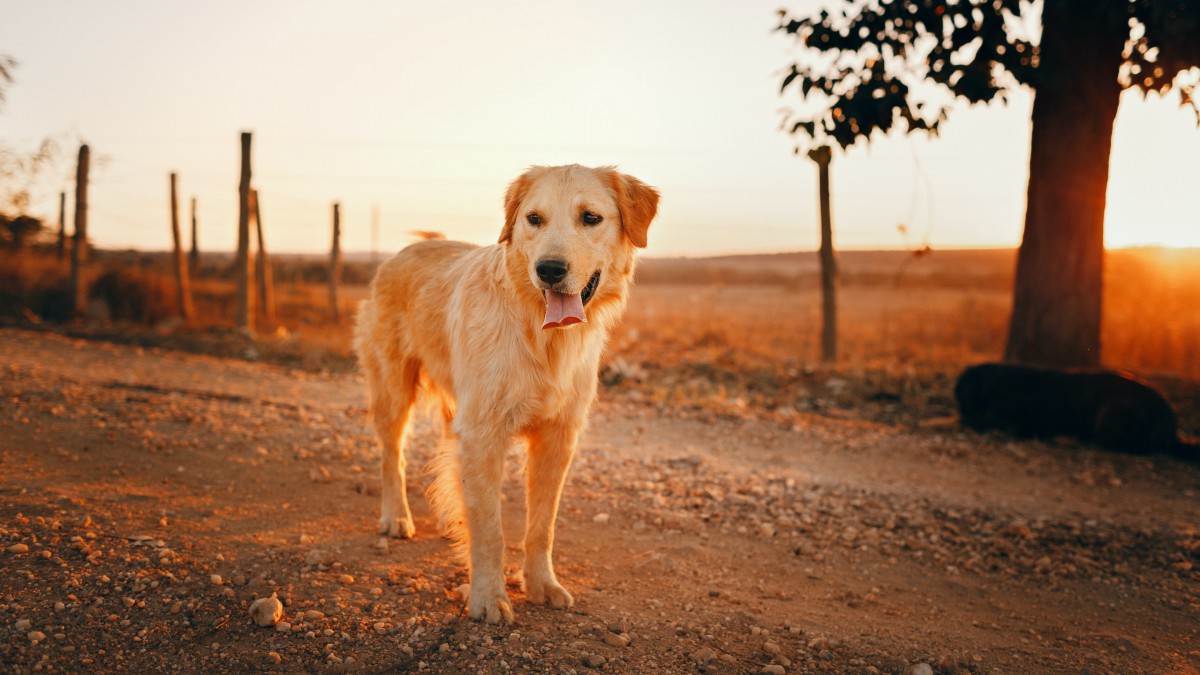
<point x="507" y="339"/>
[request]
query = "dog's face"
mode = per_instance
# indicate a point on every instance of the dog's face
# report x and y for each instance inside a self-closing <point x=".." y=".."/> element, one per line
<point x="573" y="230"/>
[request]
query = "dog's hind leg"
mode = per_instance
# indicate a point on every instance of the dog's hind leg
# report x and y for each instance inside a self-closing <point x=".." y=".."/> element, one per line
<point x="551" y="448"/>
<point x="392" y="398"/>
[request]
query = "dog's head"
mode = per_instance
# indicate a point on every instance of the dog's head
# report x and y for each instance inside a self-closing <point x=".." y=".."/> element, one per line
<point x="573" y="231"/>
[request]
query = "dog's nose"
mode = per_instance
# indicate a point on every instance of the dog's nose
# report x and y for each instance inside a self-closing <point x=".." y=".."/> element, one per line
<point x="551" y="271"/>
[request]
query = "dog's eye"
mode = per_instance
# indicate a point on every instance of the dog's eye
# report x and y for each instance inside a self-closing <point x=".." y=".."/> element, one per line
<point x="590" y="218"/>
<point x="534" y="219"/>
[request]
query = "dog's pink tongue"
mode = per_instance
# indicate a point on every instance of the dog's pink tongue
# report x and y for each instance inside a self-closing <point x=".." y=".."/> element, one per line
<point x="563" y="309"/>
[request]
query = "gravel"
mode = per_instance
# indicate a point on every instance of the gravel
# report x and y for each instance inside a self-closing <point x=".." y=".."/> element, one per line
<point x="684" y="555"/>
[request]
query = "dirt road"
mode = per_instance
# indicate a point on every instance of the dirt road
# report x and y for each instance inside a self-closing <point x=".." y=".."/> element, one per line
<point x="147" y="497"/>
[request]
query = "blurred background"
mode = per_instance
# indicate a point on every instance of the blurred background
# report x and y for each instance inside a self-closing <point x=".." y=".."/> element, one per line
<point x="425" y="112"/>
<point x="416" y="116"/>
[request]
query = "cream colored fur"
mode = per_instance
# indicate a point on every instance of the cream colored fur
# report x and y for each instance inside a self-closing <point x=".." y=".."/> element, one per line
<point x="464" y="323"/>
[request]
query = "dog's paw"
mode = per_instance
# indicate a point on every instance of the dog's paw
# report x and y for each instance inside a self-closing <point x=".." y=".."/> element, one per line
<point x="489" y="607"/>
<point x="548" y="592"/>
<point x="401" y="528"/>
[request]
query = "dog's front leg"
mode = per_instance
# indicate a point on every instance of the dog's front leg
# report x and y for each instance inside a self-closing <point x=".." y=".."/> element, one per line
<point x="551" y="448"/>
<point x="482" y="473"/>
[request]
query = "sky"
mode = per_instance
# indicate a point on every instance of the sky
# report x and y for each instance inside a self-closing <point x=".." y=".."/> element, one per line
<point x="424" y="111"/>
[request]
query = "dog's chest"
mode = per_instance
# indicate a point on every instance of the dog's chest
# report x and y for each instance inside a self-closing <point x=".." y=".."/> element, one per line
<point x="567" y="370"/>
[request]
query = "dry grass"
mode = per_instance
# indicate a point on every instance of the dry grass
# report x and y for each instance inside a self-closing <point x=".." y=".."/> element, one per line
<point x="742" y="319"/>
<point x="764" y="327"/>
<point x="949" y="309"/>
<point x="33" y="286"/>
<point x="750" y="343"/>
<point x="1152" y="312"/>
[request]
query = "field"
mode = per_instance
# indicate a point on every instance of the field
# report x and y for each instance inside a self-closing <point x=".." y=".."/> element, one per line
<point x="751" y="313"/>
<point x="737" y="505"/>
<point x="943" y="309"/>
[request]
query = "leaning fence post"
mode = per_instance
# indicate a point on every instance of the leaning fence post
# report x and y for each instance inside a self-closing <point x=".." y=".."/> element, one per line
<point x="183" y="288"/>
<point x="195" y="252"/>
<point x="62" y="226"/>
<point x="263" y="273"/>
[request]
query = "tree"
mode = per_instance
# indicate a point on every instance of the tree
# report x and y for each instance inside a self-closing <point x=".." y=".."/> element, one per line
<point x="20" y="229"/>
<point x="878" y="65"/>
<point x="20" y="175"/>
<point x="7" y="63"/>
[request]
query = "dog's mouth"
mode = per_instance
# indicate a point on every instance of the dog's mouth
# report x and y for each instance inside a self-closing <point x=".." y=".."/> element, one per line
<point x="590" y="289"/>
<point x="566" y="309"/>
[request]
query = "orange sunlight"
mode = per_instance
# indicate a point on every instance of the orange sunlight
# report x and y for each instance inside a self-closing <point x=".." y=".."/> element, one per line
<point x="1166" y="227"/>
<point x="1152" y="185"/>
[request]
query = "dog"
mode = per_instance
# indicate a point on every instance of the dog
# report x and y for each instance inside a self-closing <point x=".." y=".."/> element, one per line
<point x="1110" y="409"/>
<point x="506" y="339"/>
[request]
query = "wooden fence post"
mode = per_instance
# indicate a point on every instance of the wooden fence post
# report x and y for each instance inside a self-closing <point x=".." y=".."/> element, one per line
<point x="245" y="257"/>
<point x="374" y="234"/>
<point x="829" y="274"/>
<point x="195" y="252"/>
<point x="79" y="252"/>
<point x="183" y="289"/>
<point x="62" y="225"/>
<point x="335" y="263"/>
<point x="263" y="272"/>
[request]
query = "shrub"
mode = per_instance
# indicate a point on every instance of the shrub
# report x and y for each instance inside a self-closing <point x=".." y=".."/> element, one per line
<point x="135" y="295"/>
<point x="32" y="283"/>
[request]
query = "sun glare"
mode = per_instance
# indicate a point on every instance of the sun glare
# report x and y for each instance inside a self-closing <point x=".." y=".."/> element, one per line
<point x="1171" y="221"/>
<point x="1166" y="229"/>
<point x="1152" y="185"/>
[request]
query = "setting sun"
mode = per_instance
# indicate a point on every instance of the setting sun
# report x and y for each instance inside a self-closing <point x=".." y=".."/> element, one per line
<point x="428" y="134"/>
<point x="1154" y="185"/>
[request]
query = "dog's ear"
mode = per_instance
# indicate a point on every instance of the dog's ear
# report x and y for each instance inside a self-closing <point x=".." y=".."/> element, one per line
<point x="512" y="201"/>
<point x="638" y="204"/>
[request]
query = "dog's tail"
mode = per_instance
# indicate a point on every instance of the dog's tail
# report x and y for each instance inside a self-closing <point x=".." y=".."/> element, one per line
<point x="364" y="321"/>
<point x="426" y="235"/>
<point x="445" y="495"/>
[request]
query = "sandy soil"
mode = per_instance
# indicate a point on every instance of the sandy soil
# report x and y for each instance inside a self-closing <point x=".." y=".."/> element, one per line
<point x="148" y="497"/>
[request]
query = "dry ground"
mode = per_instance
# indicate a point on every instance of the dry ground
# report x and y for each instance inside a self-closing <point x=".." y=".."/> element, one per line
<point x="147" y="497"/>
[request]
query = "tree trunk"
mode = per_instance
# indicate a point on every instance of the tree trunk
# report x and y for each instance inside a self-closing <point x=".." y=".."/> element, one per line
<point x="1059" y="279"/>
<point x="245" y="257"/>
<point x="822" y="156"/>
